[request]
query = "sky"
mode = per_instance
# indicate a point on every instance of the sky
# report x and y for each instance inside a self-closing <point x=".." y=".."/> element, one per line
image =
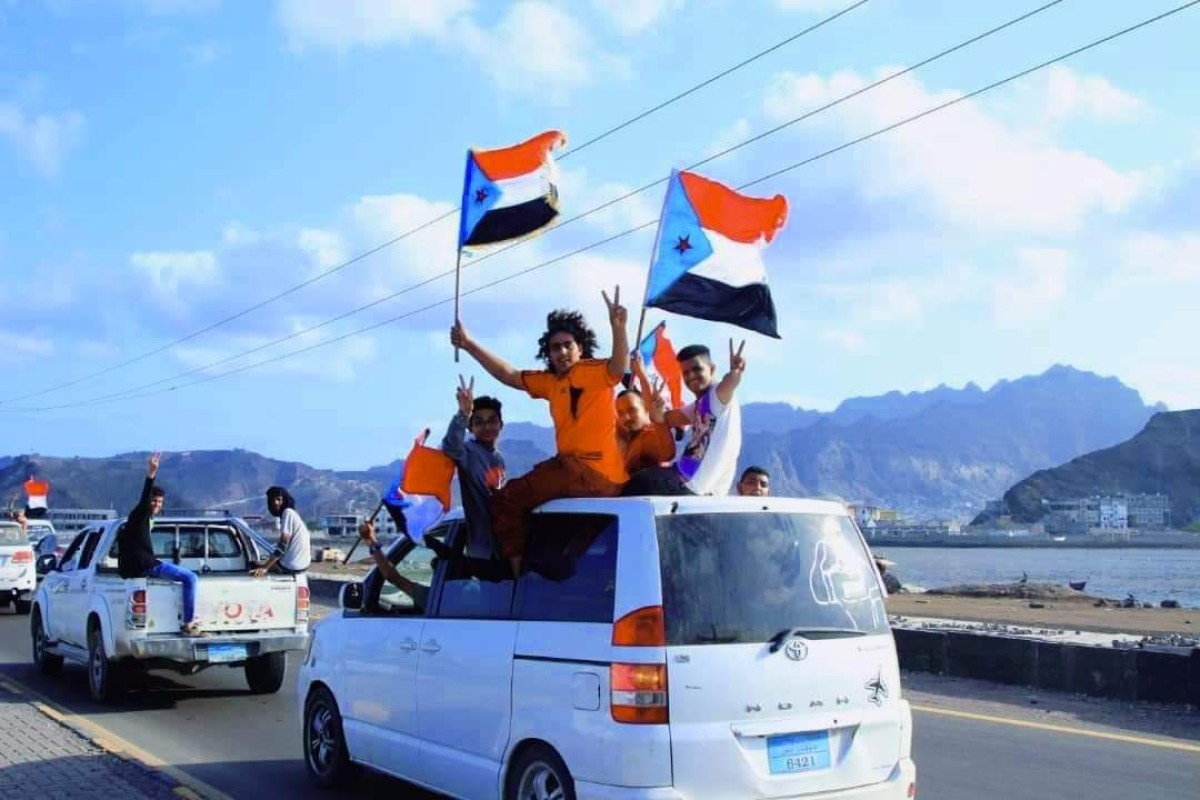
<point x="169" y="164"/>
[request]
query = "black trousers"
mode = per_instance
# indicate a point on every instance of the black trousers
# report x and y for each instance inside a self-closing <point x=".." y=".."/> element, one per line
<point x="656" y="482"/>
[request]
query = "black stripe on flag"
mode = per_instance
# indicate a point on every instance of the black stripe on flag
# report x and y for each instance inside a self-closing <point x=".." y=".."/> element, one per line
<point x="748" y="307"/>
<point x="513" y="222"/>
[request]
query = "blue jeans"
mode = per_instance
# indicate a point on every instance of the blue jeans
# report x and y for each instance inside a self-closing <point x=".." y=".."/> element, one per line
<point x="169" y="572"/>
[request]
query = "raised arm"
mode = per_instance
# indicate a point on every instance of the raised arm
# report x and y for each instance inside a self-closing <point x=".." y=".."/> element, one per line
<point x="495" y="366"/>
<point x="733" y="378"/>
<point x="656" y="406"/>
<point x="618" y="316"/>
<point x="143" y="504"/>
<point x="454" y="442"/>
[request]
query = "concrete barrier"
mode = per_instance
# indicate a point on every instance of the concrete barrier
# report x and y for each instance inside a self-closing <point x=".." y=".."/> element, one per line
<point x="1117" y="673"/>
<point x="327" y="590"/>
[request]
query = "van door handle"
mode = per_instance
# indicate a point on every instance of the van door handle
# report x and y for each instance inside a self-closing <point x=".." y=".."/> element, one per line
<point x="408" y="644"/>
<point x="431" y="646"/>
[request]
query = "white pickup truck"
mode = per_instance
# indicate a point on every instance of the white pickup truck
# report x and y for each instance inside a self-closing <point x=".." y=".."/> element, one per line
<point x="86" y="612"/>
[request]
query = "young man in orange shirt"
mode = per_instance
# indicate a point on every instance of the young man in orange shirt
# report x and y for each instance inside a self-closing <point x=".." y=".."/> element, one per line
<point x="644" y="437"/>
<point x="579" y="389"/>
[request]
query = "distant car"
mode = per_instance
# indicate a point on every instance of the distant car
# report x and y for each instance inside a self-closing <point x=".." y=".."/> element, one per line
<point x="17" y="575"/>
<point x="654" y="649"/>
<point x="38" y="529"/>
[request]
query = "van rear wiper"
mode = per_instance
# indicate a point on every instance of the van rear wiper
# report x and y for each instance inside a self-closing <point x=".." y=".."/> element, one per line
<point x="777" y="641"/>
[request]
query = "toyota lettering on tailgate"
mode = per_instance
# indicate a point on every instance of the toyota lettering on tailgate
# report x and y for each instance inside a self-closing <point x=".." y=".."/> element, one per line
<point x="228" y="612"/>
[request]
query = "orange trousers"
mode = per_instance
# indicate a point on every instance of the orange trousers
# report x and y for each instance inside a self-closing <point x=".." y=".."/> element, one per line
<point x="561" y="476"/>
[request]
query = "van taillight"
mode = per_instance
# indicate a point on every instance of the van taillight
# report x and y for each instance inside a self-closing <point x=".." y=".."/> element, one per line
<point x="302" y="604"/>
<point x="23" y="557"/>
<point x="136" y="618"/>
<point x="639" y="693"/>
<point x="641" y="628"/>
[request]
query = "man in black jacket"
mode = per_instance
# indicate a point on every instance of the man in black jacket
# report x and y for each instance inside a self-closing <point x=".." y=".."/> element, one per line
<point x="135" y="551"/>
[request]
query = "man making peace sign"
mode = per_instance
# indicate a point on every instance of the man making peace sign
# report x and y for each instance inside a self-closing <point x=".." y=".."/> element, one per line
<point x="579" y="389"/>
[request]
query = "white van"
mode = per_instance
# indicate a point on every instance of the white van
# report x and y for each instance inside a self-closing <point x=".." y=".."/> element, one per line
<point x="692" y="647"/>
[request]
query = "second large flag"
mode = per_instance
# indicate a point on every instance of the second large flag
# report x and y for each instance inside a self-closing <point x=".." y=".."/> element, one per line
<point x="510" y="192"/>
<point x="708" y="262"/>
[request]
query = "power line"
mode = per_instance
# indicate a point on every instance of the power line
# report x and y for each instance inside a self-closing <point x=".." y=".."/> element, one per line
<point x="134" y="391"/>
<point x="425" y="225"/>
<point x="650" y="223"/>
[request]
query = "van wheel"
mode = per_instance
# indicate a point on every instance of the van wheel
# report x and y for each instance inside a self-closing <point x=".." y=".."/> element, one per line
<point x="326" y="757"/>
<point x="47" y="663"/>
<point x="23" y="607"/>
<point x="539" y="774"/>
<point x="264" y="674"/>
<point x="104" y="676"/>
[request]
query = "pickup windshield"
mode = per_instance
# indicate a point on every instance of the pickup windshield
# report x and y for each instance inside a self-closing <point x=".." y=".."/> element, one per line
<point x="745" y="577"/>
<point x="11" y="534"/>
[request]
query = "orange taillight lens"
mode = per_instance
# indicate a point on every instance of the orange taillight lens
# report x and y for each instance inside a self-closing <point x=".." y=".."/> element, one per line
<point x="302" y="603"/>
<point x="639" y="693"/>
<point x="642" y="628"/>
<point x="23" y="557"/>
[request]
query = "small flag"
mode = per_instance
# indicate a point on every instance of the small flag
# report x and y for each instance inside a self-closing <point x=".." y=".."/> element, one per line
<point x="708" y="263"/>
<point x="509" y="193"/>
<point x="427" y="471"/>
<point x="658" y="355"/>
<point x="412" y="515"/>
<point x="36" y="492"/>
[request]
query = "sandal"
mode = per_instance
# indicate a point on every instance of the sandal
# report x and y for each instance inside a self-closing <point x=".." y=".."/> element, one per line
<point x="192" y="630"/>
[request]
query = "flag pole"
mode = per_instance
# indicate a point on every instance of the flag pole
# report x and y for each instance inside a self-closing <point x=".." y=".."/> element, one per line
<point x="457" y="321"/>
<point x="354" y="546"/>
<point x="653" y="254"/>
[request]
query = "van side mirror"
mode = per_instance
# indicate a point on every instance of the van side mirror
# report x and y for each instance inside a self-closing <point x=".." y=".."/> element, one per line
<point x="45" y="563"/>
<point x="351" y="597"/>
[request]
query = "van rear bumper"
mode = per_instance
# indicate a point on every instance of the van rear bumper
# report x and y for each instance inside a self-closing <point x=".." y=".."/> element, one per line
<point x="195" y="649"/>
<point x="894" y="788"/>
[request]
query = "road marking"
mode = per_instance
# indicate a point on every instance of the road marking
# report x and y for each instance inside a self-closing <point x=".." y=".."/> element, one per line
<point x="1045" y="726"/>
<point x="190" y="787"/>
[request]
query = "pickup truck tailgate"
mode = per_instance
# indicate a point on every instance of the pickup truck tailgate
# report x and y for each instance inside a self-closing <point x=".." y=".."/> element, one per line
<point x="226" y="603"/>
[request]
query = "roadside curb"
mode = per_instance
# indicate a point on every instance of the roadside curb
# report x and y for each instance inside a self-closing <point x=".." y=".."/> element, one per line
<point x="184" y="785"/>
<point x="1130" y="674"/>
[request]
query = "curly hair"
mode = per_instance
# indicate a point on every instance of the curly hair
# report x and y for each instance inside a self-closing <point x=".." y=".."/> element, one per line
<point x="571" y="322"/>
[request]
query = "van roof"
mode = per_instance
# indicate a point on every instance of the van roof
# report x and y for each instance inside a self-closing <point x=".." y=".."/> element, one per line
<point x="689" y="504"/>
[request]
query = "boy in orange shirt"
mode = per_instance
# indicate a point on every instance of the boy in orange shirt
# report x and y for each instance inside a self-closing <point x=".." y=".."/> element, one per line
<point x="579" y="389"/>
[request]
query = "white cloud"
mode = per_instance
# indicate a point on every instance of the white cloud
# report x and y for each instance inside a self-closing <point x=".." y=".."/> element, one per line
<point x="812" y="6"/>
<point x="620" y="216"/>
<point x="332" y="24"/>
<point x="326" y="247"/>
<point x="43" y="139"/>
<point x="1160" y="258"/>
<point x="1038" y="285"/>
<point x="971" y="168"/>
<point x="535" y="49"/>
<point x="342" y="362"/>
<point x="635" y="16"/>
<point x="1071" y="95"/>
<point x="17" y="348"/>
<point x="235" y="233"/>
<point x="172" y="272"/>
<point x="849" y="340"/>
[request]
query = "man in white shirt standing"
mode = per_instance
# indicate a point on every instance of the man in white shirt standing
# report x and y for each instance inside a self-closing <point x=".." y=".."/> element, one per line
<point x="293" y="554"/>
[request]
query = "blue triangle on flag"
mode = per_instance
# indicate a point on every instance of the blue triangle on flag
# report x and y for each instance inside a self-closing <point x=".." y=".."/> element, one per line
<point x="681" y="242"/>
<point x="480" y="195"/>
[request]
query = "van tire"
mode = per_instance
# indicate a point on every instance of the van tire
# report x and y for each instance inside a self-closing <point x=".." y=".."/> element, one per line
<point x="264" y="674"/>
<point x="105" y="677"/>
<point x="47" y="663"/>
<point x="326" y="756"/>
<point x="538" y="773"/>
<point x="23" y="607"/>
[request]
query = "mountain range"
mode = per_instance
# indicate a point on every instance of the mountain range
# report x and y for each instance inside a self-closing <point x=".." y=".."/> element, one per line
<point x="937" y="453"/>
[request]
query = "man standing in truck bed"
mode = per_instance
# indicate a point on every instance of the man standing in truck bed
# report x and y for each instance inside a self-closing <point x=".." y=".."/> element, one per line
<point x="135" y="550"/>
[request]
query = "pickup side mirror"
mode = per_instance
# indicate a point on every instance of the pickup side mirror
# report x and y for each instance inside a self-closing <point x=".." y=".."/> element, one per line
<point x="351" y="597"/>
<point x="45" y="563"/>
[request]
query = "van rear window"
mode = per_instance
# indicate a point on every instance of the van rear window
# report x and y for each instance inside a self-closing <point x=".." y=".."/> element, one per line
<point x="11" y="534"/>
<point x="747" y="577"/>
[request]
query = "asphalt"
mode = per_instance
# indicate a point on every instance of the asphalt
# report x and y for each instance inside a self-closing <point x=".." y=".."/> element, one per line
<point x="209" y="726"/>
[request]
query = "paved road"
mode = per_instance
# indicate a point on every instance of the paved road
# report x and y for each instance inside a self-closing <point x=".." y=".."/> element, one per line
<point x="249" y="746"/>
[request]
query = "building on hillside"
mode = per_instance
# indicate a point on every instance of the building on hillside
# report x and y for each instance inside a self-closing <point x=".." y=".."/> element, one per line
<point x="1079" y="515"/>
<point x="1149" y="511"/>
<point x="346" y="524"/>
<point x="1113" y="514"/>
<point x="869" y="516"/>
<point x="70" y="521"/>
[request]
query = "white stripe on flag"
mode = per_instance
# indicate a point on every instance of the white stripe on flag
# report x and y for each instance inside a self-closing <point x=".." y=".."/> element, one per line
<point x="524" y="188"/>
<point x="732" y="263"/>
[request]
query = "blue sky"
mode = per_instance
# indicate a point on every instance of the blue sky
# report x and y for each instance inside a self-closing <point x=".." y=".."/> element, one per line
<point x="168" y="163"/>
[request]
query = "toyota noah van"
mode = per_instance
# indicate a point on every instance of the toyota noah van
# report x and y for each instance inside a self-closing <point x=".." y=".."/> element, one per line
<point x="656" y="648"/>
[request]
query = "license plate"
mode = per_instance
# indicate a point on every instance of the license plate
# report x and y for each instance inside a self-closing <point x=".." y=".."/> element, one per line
<point x="220" y="653"/>
<point x="798" y="752"/>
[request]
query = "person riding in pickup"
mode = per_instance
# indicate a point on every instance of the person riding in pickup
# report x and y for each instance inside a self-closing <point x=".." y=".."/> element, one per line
<point x="579" y="390"/>
<point x="293" y="554"/>
<point x="643" y="435"/>
<point x="135" y="550"/>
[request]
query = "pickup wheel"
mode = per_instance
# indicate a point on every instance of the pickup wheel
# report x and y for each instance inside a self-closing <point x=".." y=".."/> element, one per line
<point x="326" y="757"/>
<point x="264" y="674"/>
<point x="23" y="607"/>
<point x="539" y="774"/>
<point x="105" y="677"/>
<point x="47" y="663"/>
